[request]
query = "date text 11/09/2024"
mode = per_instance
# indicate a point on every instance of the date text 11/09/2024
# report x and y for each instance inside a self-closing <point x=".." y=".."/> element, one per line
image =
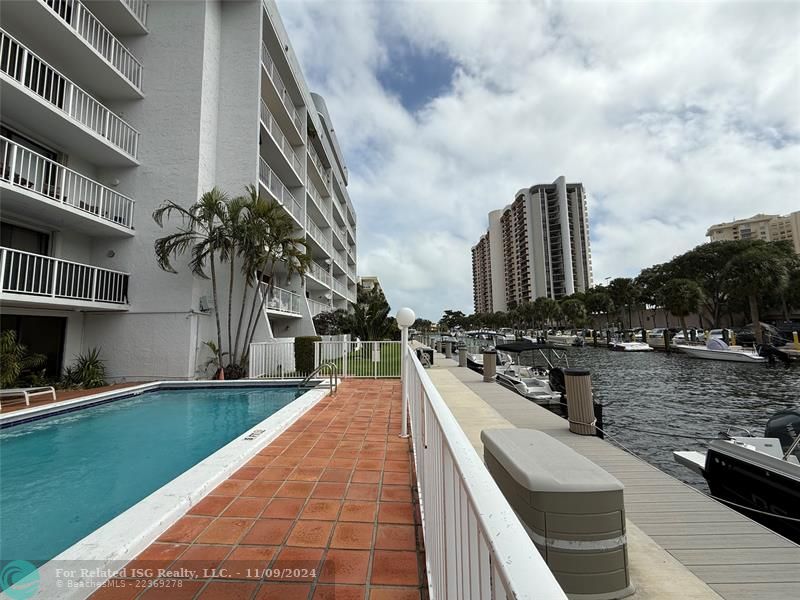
<point x="185" y="573"/>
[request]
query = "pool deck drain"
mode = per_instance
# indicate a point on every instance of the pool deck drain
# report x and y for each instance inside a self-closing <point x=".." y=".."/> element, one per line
<point x="325" y="511"/>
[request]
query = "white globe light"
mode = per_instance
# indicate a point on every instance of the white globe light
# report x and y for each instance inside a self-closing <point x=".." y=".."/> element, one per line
<point x="405" y="317"/>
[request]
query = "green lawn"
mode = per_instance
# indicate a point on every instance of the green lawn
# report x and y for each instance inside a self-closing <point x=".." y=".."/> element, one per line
<point x="361" y="364"/>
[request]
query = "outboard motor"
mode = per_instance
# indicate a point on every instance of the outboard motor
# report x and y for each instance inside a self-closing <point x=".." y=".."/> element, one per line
<point x="557" y="380"/>
<point x="785" y="425"/>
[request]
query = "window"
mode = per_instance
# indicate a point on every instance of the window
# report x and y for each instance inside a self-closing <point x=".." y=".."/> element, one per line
<point x="21" y="238"/>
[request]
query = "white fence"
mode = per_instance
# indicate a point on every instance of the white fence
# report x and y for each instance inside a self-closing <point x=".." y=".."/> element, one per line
<point x="88" y="27"/>
<point x="25" y="67"/>
<point x="33" y="172"/>
<point x="275" y="359"/>
<point x="475" y="546"/>
<point x="38" y="275"/>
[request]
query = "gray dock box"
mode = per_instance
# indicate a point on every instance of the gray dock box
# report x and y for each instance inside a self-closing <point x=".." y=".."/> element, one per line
<point x="572" y="509"/>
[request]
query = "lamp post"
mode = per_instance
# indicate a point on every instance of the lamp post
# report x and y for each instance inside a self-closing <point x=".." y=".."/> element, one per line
<point x="405" y="319"/>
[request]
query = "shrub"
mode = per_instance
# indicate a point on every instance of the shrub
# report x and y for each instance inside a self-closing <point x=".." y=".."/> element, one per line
<point x="88" y="371"/>
<point x="304" y="353"/>
<point x="15" y="360"/>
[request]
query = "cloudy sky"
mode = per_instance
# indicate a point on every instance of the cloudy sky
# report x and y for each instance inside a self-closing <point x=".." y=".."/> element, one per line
<point x="675" y="115"/>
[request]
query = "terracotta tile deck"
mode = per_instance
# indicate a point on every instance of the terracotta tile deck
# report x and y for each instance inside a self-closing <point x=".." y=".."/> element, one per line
<point x="324" y="512"/>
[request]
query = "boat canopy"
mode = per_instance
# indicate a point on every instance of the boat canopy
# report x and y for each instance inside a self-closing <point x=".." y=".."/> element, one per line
<point x="524" y="346"/>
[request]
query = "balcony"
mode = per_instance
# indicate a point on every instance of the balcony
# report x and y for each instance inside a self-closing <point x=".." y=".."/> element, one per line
<point x="278" y="148"/>
<point x="39" y="188"/>
<point x="317" y="200"/>
<point x="277" y="94"/>
<point x="281" y="301"/>
<point x="43" y="100"/>
<point x="280" y="192"/>
<point x="36" y="280"/>
<point x="320" y="273"/>
<point x="340" y="289"/>
<point x="74" y="37"/>
<point x="123" y="17"/>
<point x="318" y="307"/>
<point x="318" y="236"/>
<point x="322" y="176"/>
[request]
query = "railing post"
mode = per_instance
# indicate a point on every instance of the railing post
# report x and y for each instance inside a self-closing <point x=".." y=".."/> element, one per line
<point x="94" y="284"/>
<point x="63" y="184"/>
<point x="54" y="283"/>
<point x="23" y="72"/>
<point x="13" y="166"/>
<point x="344" y="358"/>
<point x="2" y="270"/>
<point x="405" y="319"/>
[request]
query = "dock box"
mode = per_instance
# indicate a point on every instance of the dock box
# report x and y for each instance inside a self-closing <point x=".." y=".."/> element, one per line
<point x="572" y="509"/>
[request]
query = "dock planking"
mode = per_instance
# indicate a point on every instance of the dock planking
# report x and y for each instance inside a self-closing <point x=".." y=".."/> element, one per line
<point x="735" y="556"/>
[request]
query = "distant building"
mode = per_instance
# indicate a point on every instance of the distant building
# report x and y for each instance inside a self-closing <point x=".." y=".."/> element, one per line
<point x="369" y="282"/>
<point x="538" y="246"/>
<point x="760" y="227"/>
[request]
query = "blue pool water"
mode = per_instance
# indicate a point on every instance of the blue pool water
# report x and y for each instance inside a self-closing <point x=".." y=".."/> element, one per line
<point x="64" y="476"/>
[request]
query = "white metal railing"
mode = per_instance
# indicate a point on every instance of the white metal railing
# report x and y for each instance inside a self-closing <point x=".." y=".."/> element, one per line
<point x="280" y="139"/>
<point x="33" y="172"/>
<point x="318" y="235"/>
<point x="274" y="76"/>
<point x="351" y="273"/>
<point x="277" y="188"/>
<point x="338" y="286"/>
<point x="319" y="272"/>
<point x="340" y="259"/>
<point x="316" y="197"/>
<point x="273" y="359"/>
<point x="281" y="300"/>
<point x="475" y="546"/>
<point x="312" y="152"/>
<point x="361" y="358"/>
<point x="317" y="308"/>
<point x="38" y="275"/>
<point x="94" y="33"/>
<point x="139" y="9"/>
<point x="25" y="67"/>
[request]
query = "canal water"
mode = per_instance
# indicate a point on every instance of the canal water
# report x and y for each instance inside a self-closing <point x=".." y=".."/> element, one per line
<point x="656" y="403"/>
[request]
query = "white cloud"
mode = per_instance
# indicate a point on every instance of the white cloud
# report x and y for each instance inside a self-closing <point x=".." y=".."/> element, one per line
<point x="675" y="116"/>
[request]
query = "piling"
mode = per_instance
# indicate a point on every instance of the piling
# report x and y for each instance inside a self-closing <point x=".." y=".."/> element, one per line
<point x="667" y="335"/>
<point x="594" y="337"/>
<point x="489" y="365"/>
<point x="448" y="349"/>
<point x="462" y="355"/>
<point x="580" y="405"/>
<point x="796" y="340"/>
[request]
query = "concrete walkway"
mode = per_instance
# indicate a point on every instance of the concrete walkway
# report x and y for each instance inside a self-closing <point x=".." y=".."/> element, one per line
<point x="654" y="571"/>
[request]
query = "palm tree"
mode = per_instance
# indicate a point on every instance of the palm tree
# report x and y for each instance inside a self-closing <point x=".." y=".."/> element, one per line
<point x="574" y="311"/>
<point x="15" y="359"/>
<point x="202" y="233"/>
<point x="761" y="267"/>
<point x="682" y="297"/>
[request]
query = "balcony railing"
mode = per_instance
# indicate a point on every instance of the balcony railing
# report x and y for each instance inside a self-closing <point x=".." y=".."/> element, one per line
<point x="326" y="177"/>
<point x="338" y="286"/>
<point x="138" y="8"/>
<point x="318" y="235"/>
<point x="35" y="173"/>
<point x="272" y="71"/>
<point x="351" y="273"/>
<point x="276" y="187"/>
<point x="280" y="139"/>
<point x="324" y="208"/>
<point x="319" y="272"/>
<point x="318" y="307"/>
<point x="339" y="259"/>
<point x="94" y="33"/>
<point x="44" y="276"/>
<point x="23" y="66"/>
<point x="281" y="300"/>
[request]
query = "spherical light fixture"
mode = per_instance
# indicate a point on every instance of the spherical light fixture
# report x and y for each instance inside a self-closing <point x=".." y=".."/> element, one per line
<point x="405" y="317"/>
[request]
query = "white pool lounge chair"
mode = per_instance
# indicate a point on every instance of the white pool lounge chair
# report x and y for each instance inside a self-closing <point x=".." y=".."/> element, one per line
<point x="27" y="393"/>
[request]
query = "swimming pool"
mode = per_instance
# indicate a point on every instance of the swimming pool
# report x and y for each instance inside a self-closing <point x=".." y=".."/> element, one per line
<point x="64" y="476"/>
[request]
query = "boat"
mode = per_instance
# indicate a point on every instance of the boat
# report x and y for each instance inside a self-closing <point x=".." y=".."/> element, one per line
<point x="620" y="346"/>
<point x="716" y="349"/>
<point x="532" y="380"/>
<point x="759" y="476"/>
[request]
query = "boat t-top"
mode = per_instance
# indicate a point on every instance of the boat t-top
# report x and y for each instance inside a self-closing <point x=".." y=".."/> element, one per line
<point x="527" y="369"/>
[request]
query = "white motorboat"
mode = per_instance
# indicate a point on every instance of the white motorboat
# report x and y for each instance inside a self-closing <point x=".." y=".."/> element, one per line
<point x="620" y="346"/>
<point x="716" y="349"/>
<point x="530" y="380"/>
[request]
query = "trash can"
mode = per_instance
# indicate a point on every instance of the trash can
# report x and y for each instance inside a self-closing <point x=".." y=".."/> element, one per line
<point x="572" y="509"/>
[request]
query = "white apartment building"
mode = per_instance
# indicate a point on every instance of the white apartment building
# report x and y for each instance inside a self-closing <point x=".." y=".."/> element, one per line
<point x="760" y="227"/>
<point x="110" y="107"/>
<point x="537" y="246"/>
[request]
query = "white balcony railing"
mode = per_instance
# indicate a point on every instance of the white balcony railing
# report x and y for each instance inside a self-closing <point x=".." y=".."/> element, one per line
<point x="139" y="9"/>
<point x="318" y="307"/>
<point x="319" y="237"/>
<point x="32" y="172"/>
<point x="281" y="300"/>
<point x="43" y="276"/>
<point x="351" y="273"/>
<point x="272" y="72"/>
<point x="338" y="286"/>
<point x="475" y="546"/>
<point x="276" y="187"/>
<point x="339" y="259"/>
<point x="317" y="199"/>
<point x="26" y="68"/>
<point x="326" y="177"/>
<point x="81" y="20"/>
<point x="280" y="139"/>
<point x="321" y="273"/>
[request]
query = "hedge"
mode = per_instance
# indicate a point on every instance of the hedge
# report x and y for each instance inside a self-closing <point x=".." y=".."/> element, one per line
<point x="304" y="353"/>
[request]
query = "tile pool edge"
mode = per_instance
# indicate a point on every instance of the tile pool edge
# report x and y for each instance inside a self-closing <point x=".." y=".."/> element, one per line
<point x="111" y="546"/>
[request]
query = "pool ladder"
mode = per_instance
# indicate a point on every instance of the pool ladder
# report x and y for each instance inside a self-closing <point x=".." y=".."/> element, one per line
<point x="333" y="371"/>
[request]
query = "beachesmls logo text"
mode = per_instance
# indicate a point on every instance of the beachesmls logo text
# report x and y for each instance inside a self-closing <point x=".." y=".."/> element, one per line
<point x="19" y="580"/>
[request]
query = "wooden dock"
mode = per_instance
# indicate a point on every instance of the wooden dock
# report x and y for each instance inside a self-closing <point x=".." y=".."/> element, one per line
<point x="735" y="556"/>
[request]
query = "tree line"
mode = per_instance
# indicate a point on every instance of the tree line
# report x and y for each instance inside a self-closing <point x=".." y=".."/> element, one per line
<point x="719" y="281"/>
